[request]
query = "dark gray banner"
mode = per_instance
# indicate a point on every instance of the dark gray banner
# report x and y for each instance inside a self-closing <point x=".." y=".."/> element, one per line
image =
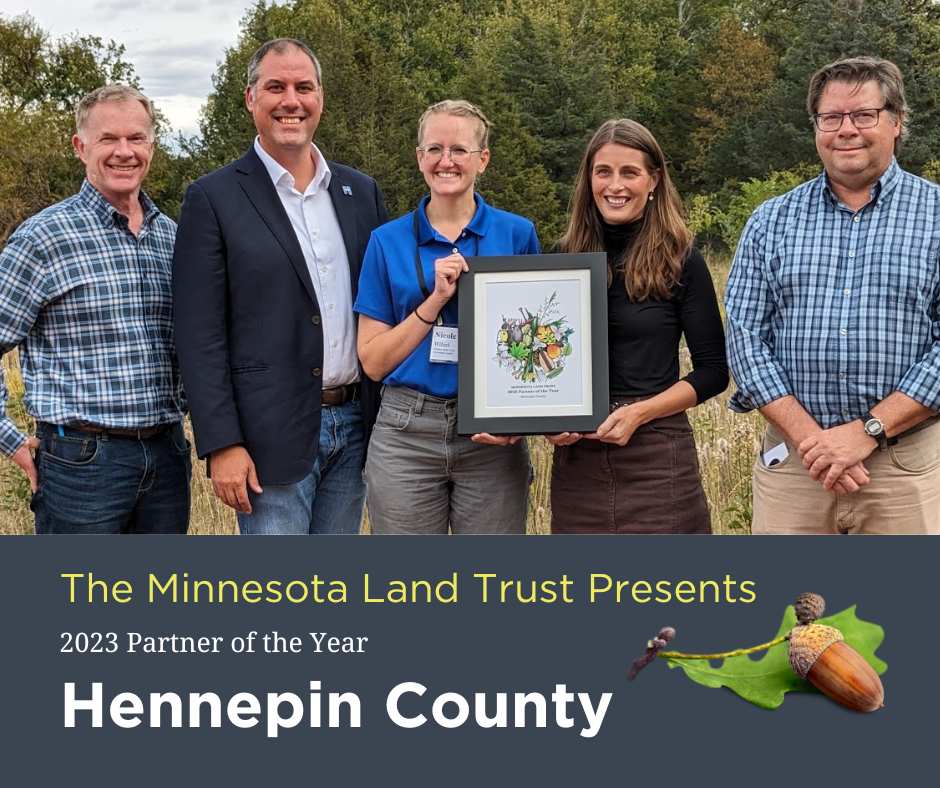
<point x="362" y="688"/>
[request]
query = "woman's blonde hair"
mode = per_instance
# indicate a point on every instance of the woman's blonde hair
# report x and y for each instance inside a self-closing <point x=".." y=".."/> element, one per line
<point x="459" y="109"/>
<point x="652" y="266"/>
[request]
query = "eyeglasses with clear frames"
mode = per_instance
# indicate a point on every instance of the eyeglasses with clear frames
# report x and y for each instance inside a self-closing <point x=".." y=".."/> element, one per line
<point x="432" y="154"/>
<point x="861" y="118"/>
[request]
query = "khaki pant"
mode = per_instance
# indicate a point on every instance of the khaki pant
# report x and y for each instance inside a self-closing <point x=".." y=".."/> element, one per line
<point x="903" y="496"/>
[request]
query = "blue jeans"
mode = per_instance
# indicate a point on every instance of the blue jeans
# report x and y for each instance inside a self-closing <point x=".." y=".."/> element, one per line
<point x="329" y="499"/>
<point x="97" y="483"/>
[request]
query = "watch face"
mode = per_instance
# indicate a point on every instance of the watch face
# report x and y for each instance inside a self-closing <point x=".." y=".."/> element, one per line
<point x="874" y="427"/>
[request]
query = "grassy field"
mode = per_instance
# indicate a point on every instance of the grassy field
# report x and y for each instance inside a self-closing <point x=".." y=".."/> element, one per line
<point x="727" y="443"/>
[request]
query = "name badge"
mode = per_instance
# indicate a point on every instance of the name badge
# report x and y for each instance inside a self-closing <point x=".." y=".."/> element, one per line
<point x="444" y="345"/>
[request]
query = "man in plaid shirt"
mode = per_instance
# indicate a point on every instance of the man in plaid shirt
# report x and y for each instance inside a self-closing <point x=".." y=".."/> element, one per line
<point x="833" y="306"/>
<point x="85" y="295"/>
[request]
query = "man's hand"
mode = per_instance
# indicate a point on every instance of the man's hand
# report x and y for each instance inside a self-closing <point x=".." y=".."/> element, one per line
<point x="829" y="453"/>
<point x="23" y="457"/>
<point x="852" y="480"/>
<point x="232" y="473"/>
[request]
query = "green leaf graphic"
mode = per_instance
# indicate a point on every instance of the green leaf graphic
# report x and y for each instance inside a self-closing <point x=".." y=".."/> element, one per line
<point x="764" y="681"/>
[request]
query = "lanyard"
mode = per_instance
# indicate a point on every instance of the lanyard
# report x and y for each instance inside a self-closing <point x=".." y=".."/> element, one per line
<point x="419" y="269"/>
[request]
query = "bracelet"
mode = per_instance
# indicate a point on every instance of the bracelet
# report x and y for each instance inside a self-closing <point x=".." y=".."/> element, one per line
<point x="426" y="322"/>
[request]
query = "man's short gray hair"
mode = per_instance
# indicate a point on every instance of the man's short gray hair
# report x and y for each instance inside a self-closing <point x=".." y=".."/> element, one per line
<point x="858" y="70"/>
<point x="113" y="93"/>
<point x="279" y="46"/>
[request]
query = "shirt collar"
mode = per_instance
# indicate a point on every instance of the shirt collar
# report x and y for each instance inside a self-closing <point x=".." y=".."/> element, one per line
<point x="278" y="174"/>
<point x="880" y="189"/>
<point x="478" y="225"/>
<point x="107" y="212"/>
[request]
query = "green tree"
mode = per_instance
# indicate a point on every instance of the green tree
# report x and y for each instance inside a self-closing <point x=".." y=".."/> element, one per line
<point x="560" y="79"/>
<point x="806" y="35"/>
<point x="514" y="180"/>
<point x="736" y="80"/>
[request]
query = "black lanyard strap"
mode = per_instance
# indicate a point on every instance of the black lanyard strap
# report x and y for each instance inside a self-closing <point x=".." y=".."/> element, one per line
<point x="419" y="270"/>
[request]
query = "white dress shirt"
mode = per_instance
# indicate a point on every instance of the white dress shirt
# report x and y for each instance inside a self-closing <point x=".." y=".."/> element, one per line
<point x="315" y="224"/>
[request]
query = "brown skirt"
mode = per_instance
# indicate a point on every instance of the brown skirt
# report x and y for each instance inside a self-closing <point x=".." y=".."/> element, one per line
<point x="650" y="486"/>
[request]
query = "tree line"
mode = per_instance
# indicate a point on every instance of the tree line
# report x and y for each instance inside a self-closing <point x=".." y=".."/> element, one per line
<point x="721" y="83"/>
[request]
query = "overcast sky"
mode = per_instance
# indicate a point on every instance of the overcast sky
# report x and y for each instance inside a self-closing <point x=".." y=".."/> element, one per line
<point x="174" y="45"/>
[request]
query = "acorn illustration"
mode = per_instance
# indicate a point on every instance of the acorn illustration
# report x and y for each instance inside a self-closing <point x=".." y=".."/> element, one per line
<point x="820" y="654"/>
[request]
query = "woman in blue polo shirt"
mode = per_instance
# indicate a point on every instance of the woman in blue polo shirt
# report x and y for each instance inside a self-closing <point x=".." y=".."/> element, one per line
<point x="421" y="477"/>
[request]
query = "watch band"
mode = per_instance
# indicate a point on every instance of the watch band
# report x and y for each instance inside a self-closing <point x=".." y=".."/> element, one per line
<point x="878" y="436"/>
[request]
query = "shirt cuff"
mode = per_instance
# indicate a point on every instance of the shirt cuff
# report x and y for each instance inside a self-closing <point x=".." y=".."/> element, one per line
<point x="10" y="436"/>
<point x="921" y="386"/>
<point x="758" y="390"/>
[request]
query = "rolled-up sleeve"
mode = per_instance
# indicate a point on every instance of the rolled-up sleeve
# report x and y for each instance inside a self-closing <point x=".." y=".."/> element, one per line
<point x="922" y="381"/>
<point x="749" y="308"/>
<point x="21" y="298"/>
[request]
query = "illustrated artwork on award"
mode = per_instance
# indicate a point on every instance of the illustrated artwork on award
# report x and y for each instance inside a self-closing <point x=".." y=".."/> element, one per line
<point x="534" y="347"/>
<point x="535" y="335"/>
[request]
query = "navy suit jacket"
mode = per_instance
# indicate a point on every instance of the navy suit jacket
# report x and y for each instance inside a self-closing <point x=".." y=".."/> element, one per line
<point x="247" y="323"/>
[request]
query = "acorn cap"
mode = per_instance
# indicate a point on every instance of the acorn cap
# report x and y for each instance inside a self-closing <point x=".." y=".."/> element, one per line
<point x="807" y="642"/>
<point x="809" y="607"/>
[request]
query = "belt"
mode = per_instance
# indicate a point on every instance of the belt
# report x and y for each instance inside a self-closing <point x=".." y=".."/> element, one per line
<point x="340" y="395"/>
<point x="620" y="402"/>
<point x="119" y="432"/>
<point x="916" y="428"/>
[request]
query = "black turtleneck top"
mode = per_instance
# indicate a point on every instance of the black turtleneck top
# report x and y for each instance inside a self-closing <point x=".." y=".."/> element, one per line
<point x="643" y="336"/>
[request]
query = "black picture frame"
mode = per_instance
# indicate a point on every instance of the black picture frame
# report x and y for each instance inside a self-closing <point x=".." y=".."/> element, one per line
<point x="511" y="388"/>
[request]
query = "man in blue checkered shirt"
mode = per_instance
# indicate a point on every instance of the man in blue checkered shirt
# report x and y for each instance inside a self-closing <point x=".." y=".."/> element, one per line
<point x="833" y="306"/>
<point x="85" y="295"/>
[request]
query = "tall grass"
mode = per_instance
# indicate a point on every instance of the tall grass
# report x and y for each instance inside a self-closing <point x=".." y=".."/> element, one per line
<point x="727" y="444"/>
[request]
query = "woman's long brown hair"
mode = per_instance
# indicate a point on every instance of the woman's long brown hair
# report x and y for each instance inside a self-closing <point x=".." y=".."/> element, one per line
<point x="652" y="266"/>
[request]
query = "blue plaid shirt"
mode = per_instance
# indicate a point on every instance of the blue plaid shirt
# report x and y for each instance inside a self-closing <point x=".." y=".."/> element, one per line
<point x="88" y="304"/>
<point x="838" y="308"/>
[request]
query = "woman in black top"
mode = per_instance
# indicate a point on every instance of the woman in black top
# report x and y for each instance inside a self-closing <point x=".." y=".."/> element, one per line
<point x="639" y="472"/>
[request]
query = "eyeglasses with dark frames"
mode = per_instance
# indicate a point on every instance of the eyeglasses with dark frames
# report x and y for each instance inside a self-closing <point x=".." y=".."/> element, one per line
<point x="861" y="118"/>
<point x="432" y="154"/>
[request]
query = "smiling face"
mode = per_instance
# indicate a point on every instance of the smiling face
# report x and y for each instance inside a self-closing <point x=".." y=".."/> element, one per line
<point x="445" y="178"/>
<point x="116" y="146"/>
<point x="286" y="102"/>
<point x="621" y="183"/>
<point x="855" y="158"/>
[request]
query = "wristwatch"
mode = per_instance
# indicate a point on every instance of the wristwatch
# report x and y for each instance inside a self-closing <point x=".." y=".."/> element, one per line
<point x="875" y="428"/>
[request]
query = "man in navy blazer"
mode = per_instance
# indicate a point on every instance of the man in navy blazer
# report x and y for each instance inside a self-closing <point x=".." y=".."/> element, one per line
<point x="265" y="274"/>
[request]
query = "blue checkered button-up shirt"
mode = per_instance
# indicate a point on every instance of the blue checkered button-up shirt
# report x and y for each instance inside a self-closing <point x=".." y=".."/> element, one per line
<point x="88" y="304"/>
<point x="838" y="308"/>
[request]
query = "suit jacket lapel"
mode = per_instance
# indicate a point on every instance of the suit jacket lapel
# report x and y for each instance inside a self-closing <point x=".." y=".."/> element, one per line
<point x="345" y="206"/>
<point x="260" y="190"/>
